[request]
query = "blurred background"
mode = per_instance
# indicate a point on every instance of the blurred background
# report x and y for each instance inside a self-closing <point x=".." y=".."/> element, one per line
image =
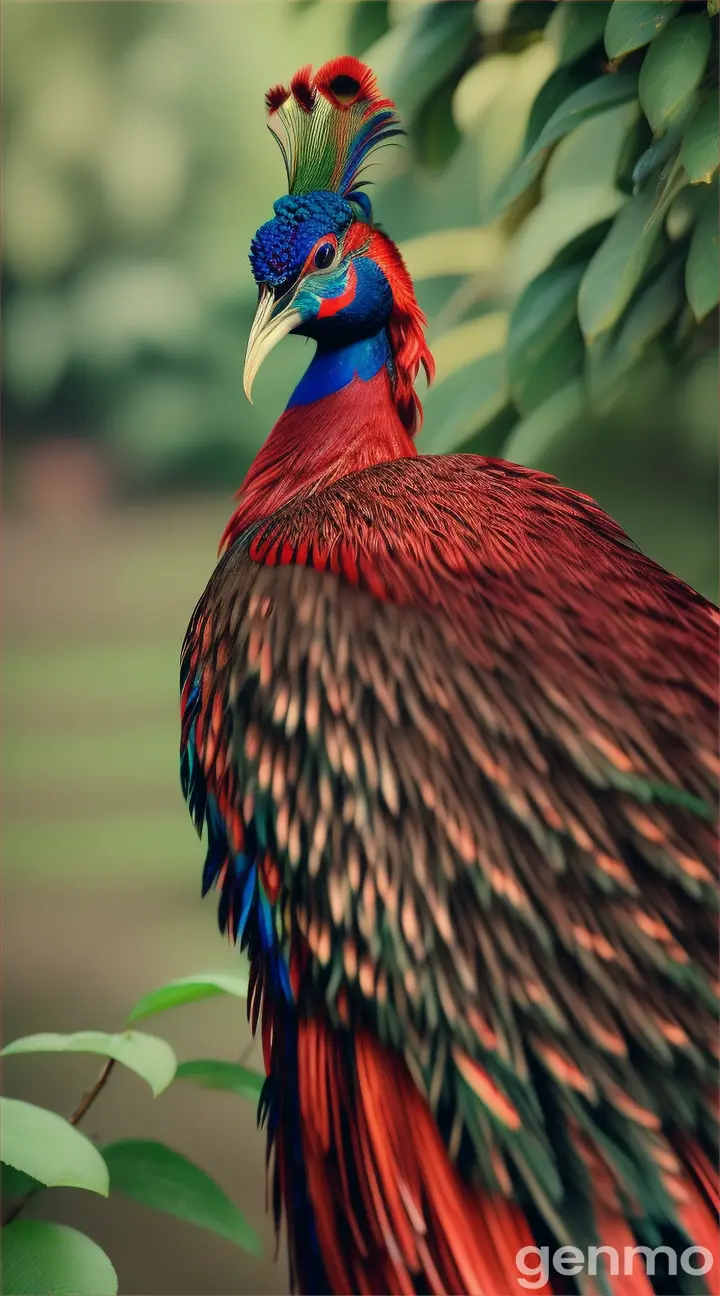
<point x="136" y="168"/>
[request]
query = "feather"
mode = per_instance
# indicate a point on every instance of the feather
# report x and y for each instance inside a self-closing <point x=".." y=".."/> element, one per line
<point x="327" y="124"/>
<point x="453" y="742"/>
<point x="550" y="998"/>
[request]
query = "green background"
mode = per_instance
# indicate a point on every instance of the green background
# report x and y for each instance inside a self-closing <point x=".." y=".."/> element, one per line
<point x="136" y="169"/>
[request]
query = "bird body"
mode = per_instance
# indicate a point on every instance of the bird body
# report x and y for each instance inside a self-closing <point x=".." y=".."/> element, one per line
<point x="452" y="739"/>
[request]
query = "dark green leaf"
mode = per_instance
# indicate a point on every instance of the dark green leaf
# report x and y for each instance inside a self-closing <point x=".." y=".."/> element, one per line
<point x="545" y="347"/>
<point x="157" y="1176"/>
<point x="40" y="1259"/>
<point x="146" y="1055"/>
<point x="214" y="1074"/>
<point x="598" y="96"/>
<point x="655" y="156"/>
<point x="700" y="153"/>
<point x="673" y="68"/>
<point x="527" y="17"/>
<point x="635" y="143"/>
<point x="575" y="28"/>
<point x="656" y="306"/>
<point x="702" y="271"/>
<point x="620" y="262"/>
<point x="583" y="245"/>
<point x="562" y="83"/>
<point x="630" y="26"/>
<point x="492" y="436"/>
<point x="588" y="157"/>
<point x="607" y="371"/>
<point x="369" y="21"/>
<point x="15" y="1183"/>
<point x="435" y="134"/>
<point x="467" y="342"/>
<point x="435" y="39"/>
<point x="465" y="403"/>
<point x="46" y="1146"/>
<point x="546" y="425"/>
<point x="613" y="355"/>
<point x="189" y="989"/>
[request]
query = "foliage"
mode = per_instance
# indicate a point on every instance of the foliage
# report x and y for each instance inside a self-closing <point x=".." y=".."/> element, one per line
<point x="607" y="208"/>
<point x="546" y="136"/>
<point x="41" y="1149"/>
<point x="130" y="133"/>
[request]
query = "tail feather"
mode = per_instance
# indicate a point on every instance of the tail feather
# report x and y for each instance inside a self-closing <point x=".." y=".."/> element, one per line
<point x="391" y="1213"/>
<point x="699" y="1215"/>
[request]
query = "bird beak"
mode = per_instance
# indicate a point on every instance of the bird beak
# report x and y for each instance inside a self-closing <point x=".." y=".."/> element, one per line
<point x="274" y="319"/>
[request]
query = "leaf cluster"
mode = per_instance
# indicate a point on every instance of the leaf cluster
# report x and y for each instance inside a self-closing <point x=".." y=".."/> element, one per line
<point x="40" y="1149"/>
<point x="605" y="220"/>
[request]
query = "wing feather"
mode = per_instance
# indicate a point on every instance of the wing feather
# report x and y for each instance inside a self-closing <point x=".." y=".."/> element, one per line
<point x="486" y="795"/>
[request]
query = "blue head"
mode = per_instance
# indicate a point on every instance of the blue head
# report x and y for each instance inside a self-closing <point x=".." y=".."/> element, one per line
<point x="317" y="275"/>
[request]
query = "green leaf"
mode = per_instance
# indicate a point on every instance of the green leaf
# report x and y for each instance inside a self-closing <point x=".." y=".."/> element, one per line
<point x="611" y="358"/>
<point x="465" y="403"/>
<point x="46" y="1146"/>
<point x="560" y="85"/>
<point x="673" y="68"/>
<point x="700" y="153"/>
<point x="632" y="25"/>
<point x="561" y="218"/>
<point x="369" y="21"/>
<point x="545" y="347"/>
<point x="15" y="1183"/>
<point x="546" y="425"/>
<point x="654" y="157"/>
<point x="40" y="1259"/>
<point x="467" y="342"/>
<point x="482" y="83"/>
<point x="598" y="96"/>
<point x="434" y="133"/>
<point x="574" y="28"/>
<point x="157" y="1176"/>
<point x="452" y="252"/>
<point x="213" y="1074"/>
<point x="434" y="39"/>
<point x="589" y="156"/>
<point x="702" y="271"/>
<point x="146" y="1055"/>
<point x="655" y="308"/>
<point x="204" y="985"/>
<point x="713" y="8"/>
<point x="620" y="262"/>
<point x="491" y="437"/>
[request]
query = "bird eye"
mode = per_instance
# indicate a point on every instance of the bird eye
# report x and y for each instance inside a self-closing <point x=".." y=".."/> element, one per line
<point x="324" y="256"/>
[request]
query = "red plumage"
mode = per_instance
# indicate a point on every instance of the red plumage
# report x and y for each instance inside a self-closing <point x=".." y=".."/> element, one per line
<point x="454" y="740"/>
<point x="302" y="87"/>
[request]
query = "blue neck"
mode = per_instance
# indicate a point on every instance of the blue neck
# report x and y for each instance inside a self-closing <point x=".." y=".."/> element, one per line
<point x="329" y="371"/>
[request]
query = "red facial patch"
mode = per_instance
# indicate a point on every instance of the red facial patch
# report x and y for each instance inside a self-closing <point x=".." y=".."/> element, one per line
<point x="331" y="305"/>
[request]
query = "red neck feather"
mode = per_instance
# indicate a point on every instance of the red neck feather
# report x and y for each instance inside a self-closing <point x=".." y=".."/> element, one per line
<point x="311" y="446"/>
<point x="406" y="326"/>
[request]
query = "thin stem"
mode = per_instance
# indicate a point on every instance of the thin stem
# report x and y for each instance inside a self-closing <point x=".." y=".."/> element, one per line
<point x="83" y="1106"/>
<point x="89" y="1098"/>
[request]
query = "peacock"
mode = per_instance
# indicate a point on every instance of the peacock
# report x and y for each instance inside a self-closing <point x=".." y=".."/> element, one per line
<point x="451" y="739"/>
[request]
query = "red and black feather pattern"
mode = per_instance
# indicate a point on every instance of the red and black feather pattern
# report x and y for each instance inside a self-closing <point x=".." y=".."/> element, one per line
<point x="474" y="730"/>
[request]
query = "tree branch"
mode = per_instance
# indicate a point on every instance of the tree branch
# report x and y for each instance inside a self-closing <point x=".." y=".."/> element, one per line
<point x="83" y="1106"/>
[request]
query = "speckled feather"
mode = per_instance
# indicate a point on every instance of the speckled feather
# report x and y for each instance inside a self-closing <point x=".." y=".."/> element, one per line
<point x="466" y="733"/>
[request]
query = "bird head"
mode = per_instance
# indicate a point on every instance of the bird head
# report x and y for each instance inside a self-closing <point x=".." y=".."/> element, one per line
<point x="322" y="267"/>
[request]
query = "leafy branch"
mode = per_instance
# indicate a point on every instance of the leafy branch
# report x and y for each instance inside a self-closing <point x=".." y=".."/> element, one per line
<point x="43" y="1150"/>
<point x="83" y="1106"/>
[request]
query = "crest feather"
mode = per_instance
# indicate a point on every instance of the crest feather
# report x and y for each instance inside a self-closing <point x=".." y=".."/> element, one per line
<point x="328" y="123"/>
